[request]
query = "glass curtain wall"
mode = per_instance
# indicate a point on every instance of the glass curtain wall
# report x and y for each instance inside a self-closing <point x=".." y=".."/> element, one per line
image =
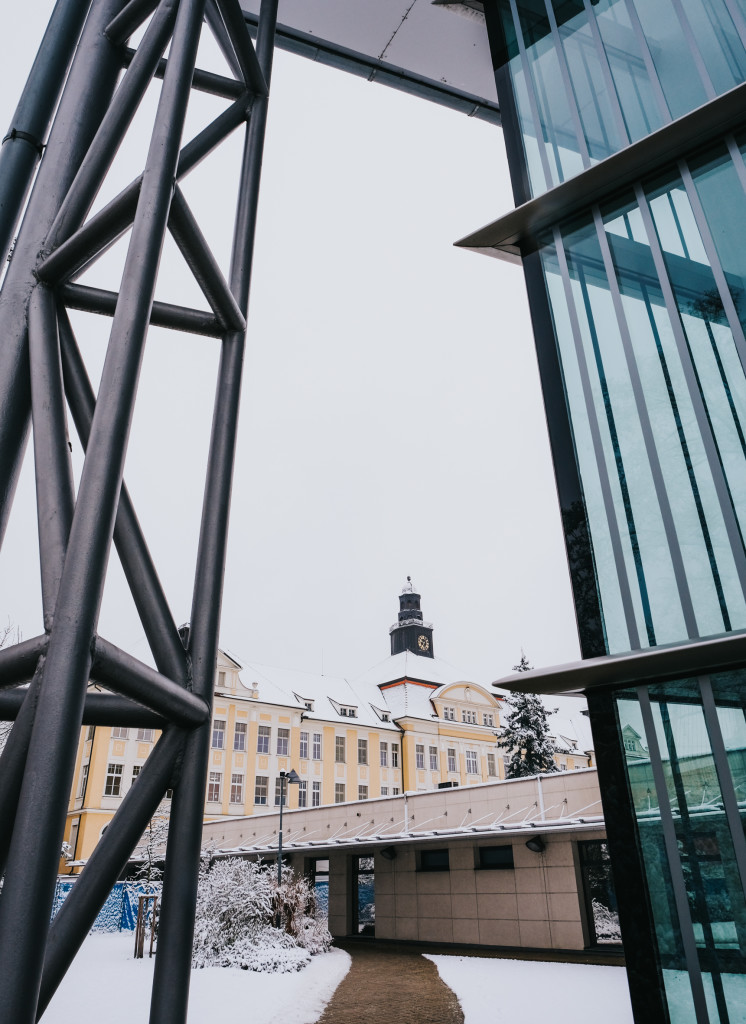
<point x="685" y="752"/>
<point x="592" y="76"/>
<point x="649" y="307"/>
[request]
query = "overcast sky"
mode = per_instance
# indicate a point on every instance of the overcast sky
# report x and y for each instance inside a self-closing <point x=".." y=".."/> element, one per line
<point x="391" y="418"/>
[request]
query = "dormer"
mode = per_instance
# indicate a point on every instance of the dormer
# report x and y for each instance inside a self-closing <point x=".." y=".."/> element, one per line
<point x="382" y="713"/>
<point x="344" y="710"/>
<point x="307" y="703"/>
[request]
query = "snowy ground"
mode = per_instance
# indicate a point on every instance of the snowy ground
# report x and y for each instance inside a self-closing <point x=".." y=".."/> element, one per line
<point x="501" y="991"/>
<point x="105" y="983"/>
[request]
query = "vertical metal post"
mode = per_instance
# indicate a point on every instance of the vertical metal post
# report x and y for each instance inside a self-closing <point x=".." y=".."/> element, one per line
<point x="173" y="962"/>
<point x="279" y="832"/>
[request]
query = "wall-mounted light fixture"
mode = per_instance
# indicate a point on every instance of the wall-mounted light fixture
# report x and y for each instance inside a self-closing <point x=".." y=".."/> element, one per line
<point x="388" y="853"/>
<point x="536" y="845"/>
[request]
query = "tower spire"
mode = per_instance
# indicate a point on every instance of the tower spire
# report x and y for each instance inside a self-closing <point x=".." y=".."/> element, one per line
<point x="410" y="632"/>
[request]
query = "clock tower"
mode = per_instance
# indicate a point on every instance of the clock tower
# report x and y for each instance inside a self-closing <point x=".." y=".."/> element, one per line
<point x="410" y="633"/>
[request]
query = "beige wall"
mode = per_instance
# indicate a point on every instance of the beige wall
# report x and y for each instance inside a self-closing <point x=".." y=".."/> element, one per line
<point x="537" y="905"/>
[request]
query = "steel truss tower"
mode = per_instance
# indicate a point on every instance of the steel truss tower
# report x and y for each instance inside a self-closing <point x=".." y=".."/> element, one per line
<point x="77" y="84"/>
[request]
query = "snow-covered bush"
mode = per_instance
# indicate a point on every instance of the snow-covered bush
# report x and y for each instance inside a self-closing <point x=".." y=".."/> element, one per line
<point x="245" y="920"/>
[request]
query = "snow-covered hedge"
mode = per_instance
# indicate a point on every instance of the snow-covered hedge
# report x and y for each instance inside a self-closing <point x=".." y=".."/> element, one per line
<point x="245" y="920"/>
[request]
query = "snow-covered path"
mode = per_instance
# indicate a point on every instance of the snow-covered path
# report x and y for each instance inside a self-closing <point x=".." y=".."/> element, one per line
<point x="493" y="991"/>
<point x="106" y="984"/>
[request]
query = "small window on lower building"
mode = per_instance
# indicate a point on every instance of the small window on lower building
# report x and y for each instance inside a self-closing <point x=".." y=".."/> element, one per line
<point x="260" y="789"/>
<point x="434" y="860"/>
<point x="362" y="792"/>
<point x="113" y="786"/>
<point x="303" y="794"/>
<point x="213" y="787"/>
<point x="315" y="794"/>
<point x="236" y="789"/>
<point x="339" y="793"/>
<point x="384" y="790"/>
<point x="472" y="767"/>
<point x="497" y="857"/>
<point x="491" y="766"/>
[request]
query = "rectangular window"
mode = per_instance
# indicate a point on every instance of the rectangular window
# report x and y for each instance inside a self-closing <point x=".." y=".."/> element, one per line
<point x="145" y="735"/>
<point x="339" y="793"/>
<point x="362" y="792"/>
<point x="239" y="736"/>
<point x="279" y="786"/>
<point x="433" y="752"/>
<point x="449" y="714"/>
<point x="384" y="790"/>
<point x="419" y="755"/>
<point x="395" y="791"/>
<point x="221" y="679"/>
<point x="303" y="794"/>
<point x="213" y="787"/>
<point x="452" y="759"/>
<point x="339" y="749"/>
<point x="260" y="789"/>
<point x="315" y="794"/>
<point x="434" y="860"/>
<point x="488" y="720"/>
<point x="362" y="751"/>
<point x="283" y="742"/>
<point x="83" y="780"/>
<point x="496" y="857"/>
<point x="136" y="769"/>
<point x="113" y="786"/>
<point x="491" y="766"/>
<point x="384" y="755"/>
<point x="304" y="746"/>
<point x="120" y="733"/>
<point x="394" y="755"/>
<point x="468" y="716"/>
<point x="218" y="734"/>
<point x="316" y="753"/>
<point x="236" y="789"/>
<point x="471" y="763"/>
<point x="262" y="739"/>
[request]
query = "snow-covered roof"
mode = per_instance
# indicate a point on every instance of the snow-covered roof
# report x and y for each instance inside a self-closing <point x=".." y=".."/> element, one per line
<point x="407" y="665"/>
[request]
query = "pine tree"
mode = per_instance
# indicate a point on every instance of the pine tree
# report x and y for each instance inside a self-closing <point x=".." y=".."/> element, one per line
<point x="526" y="733"/>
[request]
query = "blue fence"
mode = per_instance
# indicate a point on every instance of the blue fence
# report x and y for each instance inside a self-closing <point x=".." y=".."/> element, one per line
<point x="119" y="913"/>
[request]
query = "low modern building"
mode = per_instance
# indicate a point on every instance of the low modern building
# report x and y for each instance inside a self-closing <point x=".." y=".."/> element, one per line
<point x="519" y="864"/>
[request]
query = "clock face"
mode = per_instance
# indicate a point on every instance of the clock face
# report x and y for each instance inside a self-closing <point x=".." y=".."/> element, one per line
<point x="423" y="643"/>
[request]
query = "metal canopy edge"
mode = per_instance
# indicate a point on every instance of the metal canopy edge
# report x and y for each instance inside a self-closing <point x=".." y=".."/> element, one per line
<point x="519" y="230"/>
<point x="654" y="665"/>
<point x="415" y="46"/>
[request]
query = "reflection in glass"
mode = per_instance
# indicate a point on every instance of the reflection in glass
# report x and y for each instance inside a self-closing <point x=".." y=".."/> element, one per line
<point x="705" y="858"/>
<point x="589" y="78"/>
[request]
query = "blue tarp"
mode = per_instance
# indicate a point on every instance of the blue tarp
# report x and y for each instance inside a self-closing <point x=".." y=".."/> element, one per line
<point x="119" y="913"/>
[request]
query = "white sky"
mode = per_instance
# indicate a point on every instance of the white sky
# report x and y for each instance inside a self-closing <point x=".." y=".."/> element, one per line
<point x="391" y="415"/>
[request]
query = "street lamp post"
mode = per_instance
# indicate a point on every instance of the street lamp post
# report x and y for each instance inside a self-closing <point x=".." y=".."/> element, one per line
<point x="293" y="778"/>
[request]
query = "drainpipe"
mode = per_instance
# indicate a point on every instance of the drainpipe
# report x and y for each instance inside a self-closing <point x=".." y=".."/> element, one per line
<point x="542" y="815"/>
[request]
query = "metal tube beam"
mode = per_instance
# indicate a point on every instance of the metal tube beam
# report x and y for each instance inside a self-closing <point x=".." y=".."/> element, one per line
<point x="163" y="314"/>
<point x="93" y="76"/>
<point x="217" y="27"/>
<point x="99" y="709"/>
<point x="18" y="662"/>
<point x="173" y="964"/>
<point x="120" y="672"/>
<point x="22" y="146"/>
<point x="78" y="913"/>
<point x="13" y="758"/>
<point x="238" y="32"/>
<point x="203" y="81"/>
<point x="138" y="566"/>
<point x="127" y="21"/>
<point x="32" y="866"/>
<point x="55" y="490"/>
<point x="118" y="117"/>
<point x="103" y="229"/>
<point x="195" y="250"/>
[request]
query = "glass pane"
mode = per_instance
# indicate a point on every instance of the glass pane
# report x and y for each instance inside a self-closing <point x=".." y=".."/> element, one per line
<point x="671" y="55"/>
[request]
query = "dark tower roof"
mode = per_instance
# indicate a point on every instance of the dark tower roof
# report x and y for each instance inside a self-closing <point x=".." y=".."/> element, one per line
<point x="410" y="632"/>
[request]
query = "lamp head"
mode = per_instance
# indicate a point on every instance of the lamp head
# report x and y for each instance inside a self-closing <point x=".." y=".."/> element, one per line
<point x="536" y="845"/>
